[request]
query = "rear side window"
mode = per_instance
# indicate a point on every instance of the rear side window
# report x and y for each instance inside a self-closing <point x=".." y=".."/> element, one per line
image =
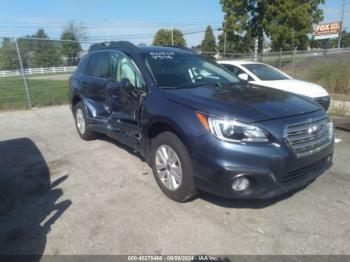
<point x="233" y="69"/>
<point x="99" y="65"/>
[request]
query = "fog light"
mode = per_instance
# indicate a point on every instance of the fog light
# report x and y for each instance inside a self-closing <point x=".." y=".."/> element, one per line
<point x="240" y="183"/>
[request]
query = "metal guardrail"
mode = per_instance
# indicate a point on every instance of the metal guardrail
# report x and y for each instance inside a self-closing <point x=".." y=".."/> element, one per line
<point x="40" y="70"/>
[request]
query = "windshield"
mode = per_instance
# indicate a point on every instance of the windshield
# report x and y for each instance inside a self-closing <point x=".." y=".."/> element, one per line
<point x="264" y="72"/>
<point x="173" y="69"/>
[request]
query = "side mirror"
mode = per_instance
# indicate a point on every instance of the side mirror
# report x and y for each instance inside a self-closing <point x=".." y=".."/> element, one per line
<point x="243" y="77"/>
<point x="125" y="83"/>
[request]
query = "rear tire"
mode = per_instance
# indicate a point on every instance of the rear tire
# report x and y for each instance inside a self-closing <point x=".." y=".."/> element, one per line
<point x="80" y="116"/>
<point x="172" y="167"/>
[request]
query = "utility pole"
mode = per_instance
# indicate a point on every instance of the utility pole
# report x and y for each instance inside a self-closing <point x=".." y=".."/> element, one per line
<point x="225" y="37"/>
<point x="256" y="47"/>
<point x="107" y="31"/>
<point x="172" y="36"/>
<point x="341" y="23"/>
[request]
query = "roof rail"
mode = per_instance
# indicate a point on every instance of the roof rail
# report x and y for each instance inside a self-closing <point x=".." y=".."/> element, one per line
<point x="112" y="44"/>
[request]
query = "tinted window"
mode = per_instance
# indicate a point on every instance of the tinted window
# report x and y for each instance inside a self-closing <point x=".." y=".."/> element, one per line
<point x="99" y="65"/>
<point x="174" y="69"/>
<point x="264" y="72"/>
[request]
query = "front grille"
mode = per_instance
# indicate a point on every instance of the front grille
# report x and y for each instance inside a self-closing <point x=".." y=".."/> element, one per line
<point x="324" y="101"/>
<point x="302" y="172"/>
<point x="308" y="137"/>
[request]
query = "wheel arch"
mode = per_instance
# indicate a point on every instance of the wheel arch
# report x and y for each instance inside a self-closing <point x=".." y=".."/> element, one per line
<point x="75" y="100"/>
<point x="88" y="104"/>
<point x="159" y="126"/>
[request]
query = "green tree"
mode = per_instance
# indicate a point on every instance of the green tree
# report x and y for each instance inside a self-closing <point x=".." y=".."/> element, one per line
<point x="8" y="55"/>
<point x="209" y="43"/>
<point x="46" y="53"/>
<point x="71" y="47"/>
<point x="286" y="22"/>
<point x="237" y="43"/>
<point x="345" y="39"/>
<point x="165" y="37"/>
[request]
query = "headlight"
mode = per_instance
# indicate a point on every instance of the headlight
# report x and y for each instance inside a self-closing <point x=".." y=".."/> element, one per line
<point x="233" y="131"/>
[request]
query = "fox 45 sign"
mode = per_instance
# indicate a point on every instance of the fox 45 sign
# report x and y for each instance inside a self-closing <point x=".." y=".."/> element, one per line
<point x="327" y="30"/>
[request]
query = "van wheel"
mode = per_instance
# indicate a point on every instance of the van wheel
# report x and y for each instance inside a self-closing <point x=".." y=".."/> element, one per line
<point x="172" y="167"/>
<point x="81" y="123"/>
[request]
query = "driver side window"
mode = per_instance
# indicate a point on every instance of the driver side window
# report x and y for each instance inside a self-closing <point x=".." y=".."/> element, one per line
<point x="124" y="68"/>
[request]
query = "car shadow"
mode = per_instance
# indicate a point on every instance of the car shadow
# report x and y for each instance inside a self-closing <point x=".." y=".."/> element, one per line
<point x="246" y="203"/>
<point x="29" y="201"/>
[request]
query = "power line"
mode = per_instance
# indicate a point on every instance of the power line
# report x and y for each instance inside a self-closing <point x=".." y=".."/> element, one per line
<point x="101" y="38"/>
<point x="100" y="25"/>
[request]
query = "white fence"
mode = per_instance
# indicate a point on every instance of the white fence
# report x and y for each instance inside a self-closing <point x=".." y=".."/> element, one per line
<point x="40" y="70"/>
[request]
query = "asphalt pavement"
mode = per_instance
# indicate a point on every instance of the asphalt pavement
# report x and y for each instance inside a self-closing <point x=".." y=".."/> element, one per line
<point x="62" y="195"/>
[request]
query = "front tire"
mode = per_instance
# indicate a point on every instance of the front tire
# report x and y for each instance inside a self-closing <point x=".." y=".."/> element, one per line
<point x="80" y="116"/>
<point x="172" y="167"/>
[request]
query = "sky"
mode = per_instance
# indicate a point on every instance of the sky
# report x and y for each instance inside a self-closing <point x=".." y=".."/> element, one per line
<point x="133" y="20"/>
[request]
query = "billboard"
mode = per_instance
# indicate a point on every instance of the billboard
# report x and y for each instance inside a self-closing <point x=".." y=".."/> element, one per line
<point x="327" y="30"/>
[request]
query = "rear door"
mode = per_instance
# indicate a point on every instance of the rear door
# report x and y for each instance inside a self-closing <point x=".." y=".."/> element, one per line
<point x="94" y="82"/>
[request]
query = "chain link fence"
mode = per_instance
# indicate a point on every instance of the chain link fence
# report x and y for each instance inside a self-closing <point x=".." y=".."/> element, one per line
<point x="35" y="72"/>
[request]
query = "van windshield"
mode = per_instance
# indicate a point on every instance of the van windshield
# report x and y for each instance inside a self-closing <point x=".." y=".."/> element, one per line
<point x="175" y="69"/>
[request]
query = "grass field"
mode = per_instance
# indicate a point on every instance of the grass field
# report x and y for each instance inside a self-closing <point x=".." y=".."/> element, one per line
<point x="42" y="92"/>
<point x="331" y="71"/>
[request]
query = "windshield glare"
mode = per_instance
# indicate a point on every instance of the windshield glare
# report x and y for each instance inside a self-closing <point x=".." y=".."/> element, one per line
<point x="171" y="69"/>
<point x="264" y="72"/>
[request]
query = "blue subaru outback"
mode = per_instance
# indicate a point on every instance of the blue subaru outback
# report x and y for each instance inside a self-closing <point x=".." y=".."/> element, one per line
<point x="197" y="125"/>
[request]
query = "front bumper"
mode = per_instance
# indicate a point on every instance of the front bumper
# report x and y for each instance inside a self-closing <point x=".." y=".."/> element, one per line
<point x="272" y="169"/>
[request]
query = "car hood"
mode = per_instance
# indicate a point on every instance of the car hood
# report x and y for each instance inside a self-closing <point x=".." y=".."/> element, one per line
<point x="296" y="86"/>
<point x="244" y="103"/>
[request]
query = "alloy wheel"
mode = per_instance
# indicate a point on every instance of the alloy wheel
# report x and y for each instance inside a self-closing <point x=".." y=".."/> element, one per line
<point x="168" y="167"/>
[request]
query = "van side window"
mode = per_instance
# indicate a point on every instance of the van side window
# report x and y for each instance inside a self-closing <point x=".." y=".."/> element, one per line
<point x="236" y="71"/>
<point x="233" y="69"/>
<point x="99" y="65"/>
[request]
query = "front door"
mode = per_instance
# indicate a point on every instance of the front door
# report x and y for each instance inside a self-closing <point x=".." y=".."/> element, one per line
<point x="126" y="99"/>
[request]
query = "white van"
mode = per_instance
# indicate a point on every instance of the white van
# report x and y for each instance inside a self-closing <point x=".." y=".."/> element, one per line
<point x="266" y="75"/>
